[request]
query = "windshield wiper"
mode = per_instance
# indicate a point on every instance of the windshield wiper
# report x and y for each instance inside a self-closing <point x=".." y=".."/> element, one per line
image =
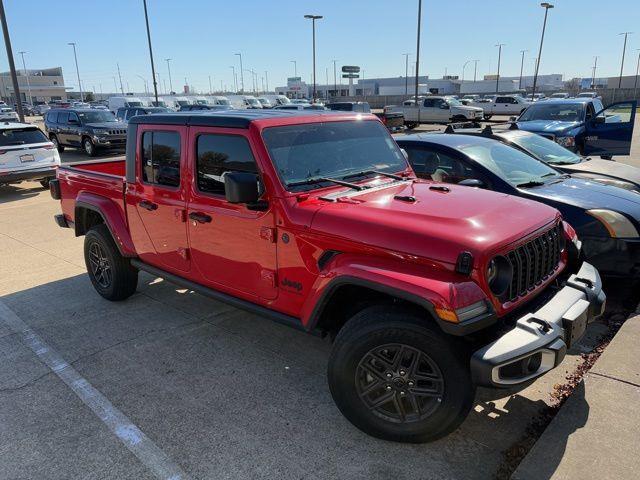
<point x="550" y="174"/>
<point x="375" y="172"/>
<point x="311" y="181"/>
<point x="530" y="183"/>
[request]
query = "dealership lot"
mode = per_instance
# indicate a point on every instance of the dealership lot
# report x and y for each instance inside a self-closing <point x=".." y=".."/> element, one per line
<point x="219" y="392"/>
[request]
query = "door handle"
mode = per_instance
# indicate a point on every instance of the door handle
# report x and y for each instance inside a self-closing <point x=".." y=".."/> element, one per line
<point x="200" y="217"/>
<point x="148" y="205"/>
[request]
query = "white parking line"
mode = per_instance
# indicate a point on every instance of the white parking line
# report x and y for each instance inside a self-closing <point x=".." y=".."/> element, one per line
<point x="116" y="421"/>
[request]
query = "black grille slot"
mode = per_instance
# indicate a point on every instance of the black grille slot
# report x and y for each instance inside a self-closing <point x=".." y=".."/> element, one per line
<point x="533" y="262"/>
<point x="117" y="132"/>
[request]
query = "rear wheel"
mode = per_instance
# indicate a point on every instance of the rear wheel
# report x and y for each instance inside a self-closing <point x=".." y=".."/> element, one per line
<point x="111" y="274"/>
<point x="56" y="143"/>
<point x="410" y="125"/>
<point x="45" y="182"/>
<point x="88" y="147"/>
<point x="396" y="377"/>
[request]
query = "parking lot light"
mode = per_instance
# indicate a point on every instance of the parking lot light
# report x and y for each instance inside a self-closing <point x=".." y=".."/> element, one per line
<point x="241" y="73"/>
<point x="521" y="68"/>
<point x="546" y="7"/>
<point x="295" y="68"/>
<point x="475" y="69"/>
<point x="169" y="72"/>
<point x="153" y="68"/>
<point x="313" y="19"/>
<point x="635" y="82"/>
<point x="465" y="66"/>
<point x="75" y="56"/>
<point x="499" y="45"/>
<point x="12" y="66"/>
<point x="26" y="75"/>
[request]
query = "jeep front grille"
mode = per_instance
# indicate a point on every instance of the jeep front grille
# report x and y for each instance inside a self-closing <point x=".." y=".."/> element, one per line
<point x="534" y="262"/>
<point x="118" y="132"/>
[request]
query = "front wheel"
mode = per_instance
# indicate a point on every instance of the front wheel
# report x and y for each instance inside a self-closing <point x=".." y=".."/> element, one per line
<point x="89" y="147"/>
<point x="487" y="116"/>
<point x="45" y="182"/>
<point x="56" y="143"/>
<point x="111" y="274"/>
<point x="396" y="377"/>
<point x="410" y="125"/>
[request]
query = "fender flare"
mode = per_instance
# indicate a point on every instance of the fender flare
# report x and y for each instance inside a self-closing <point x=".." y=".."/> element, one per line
<point x="112" y="218"/>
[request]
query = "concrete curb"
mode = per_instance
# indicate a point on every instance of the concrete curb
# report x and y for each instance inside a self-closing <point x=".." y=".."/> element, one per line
<point x="595" y="434"/>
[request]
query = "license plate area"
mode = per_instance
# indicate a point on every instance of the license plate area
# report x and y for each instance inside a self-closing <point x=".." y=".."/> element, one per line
<point x="27" y="158"/>
<point x="574" y="322"/>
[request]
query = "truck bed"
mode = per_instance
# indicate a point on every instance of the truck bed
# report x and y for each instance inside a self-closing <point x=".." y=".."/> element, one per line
<point x="104" y="178"/>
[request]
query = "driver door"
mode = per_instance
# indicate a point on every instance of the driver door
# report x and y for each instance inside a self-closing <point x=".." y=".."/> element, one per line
<point x="611" y="130"/>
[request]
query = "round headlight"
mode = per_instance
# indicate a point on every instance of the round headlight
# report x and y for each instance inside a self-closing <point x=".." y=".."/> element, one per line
<point x="499" y="273"/>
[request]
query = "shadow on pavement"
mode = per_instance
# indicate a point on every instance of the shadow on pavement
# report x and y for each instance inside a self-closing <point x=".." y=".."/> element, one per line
<point x="12" y="193"/>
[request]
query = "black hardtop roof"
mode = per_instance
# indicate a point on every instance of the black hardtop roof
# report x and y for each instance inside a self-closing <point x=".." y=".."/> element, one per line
<point x="221" y="118"/>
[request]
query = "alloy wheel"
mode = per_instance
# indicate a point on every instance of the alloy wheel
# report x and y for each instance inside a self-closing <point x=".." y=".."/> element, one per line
<point x="100" y="265"/>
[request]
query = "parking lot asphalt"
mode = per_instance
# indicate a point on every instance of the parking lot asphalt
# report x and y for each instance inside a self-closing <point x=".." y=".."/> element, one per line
<point x="219" y="393"/>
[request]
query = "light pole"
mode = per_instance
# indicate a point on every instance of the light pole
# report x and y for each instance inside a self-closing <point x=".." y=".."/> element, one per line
<point x="335" y="83"/>
<point x="418" y="55"/>
<point x="75" y="56"/>
<point x="521" y="68"/>
<point x="210" y="88"/>
<point x="313" y="19"/>
<point x="266" y="79"/>
<point x="153" y="68"/>
<point x="406" y="73"/>
<point x="295" y="68"/>
<point x="475" y="70"/>
<point x="12" y="67"/>
<point x="146" y="87"/>
<point x="500" y="45"/>
<point x="26" y="74"/>
<point x="464" y="65"/>
<point x="593" y="75"/>
<point x="546" y="7"/>
<point x="635" y="82"/>
<point x="624" y="48"/>
<point x="241" y="73"/>
<point x="169" y="72"/>
<point x="120" y="77"/>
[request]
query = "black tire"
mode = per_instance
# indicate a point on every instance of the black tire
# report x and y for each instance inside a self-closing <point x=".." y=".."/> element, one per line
<point x="460" y="119"/>
<point x="382" y="329"/>
<point x="410" y="125"/>
<point x="115" y="279"/>
<point x="45" y="182"/>
<point x="487" y="117"/>
<point x="88" y="147"/>
<point x="56" y="144"/>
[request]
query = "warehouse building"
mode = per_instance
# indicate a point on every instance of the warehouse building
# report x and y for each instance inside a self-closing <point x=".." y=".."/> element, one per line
<point x="41" y="85"/>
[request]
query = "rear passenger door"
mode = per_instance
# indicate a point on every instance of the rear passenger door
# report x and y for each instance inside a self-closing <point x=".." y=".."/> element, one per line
<point x="159" y="197"/>
<point x="232" y="246"/>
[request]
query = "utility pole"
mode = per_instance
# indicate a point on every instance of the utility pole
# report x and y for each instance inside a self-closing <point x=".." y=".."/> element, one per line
<point x="326" y="75"/>
<point x="546" y="7"/>
<point x="169" y="72"/>
<point x="26" y="75"/>
<point x="463" y="67"/>
<point x="500" y="45"/>
<point x="406" y="73"/>
<point x="153" y="68"/>
<point x="266" y="79"/>
<point x="210" y="88"/>
<point x="635" y="82"/>
<point x="335" y="83"/>
<point x="418" y="56"/>
<point x="593" y="75"/>
<point x="12" y="66"/>
<point x="235" y="79"/>
<point x="475" y="70"/>
<point x="241" y="73"/>
<point x="624" y="48"/>
<point x="120" y="77"/>
<point x="75" y="56"/>
<point x="313" y="19"/>
<point x="521" y="68"/>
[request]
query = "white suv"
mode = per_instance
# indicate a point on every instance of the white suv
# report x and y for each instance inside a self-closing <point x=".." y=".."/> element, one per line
<point x="26" y="154"/>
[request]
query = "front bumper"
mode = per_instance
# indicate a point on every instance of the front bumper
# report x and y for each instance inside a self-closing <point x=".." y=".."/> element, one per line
<point x="539" y="341"/>
<point x="110" y="141"/>
<point x="25" y="175"/>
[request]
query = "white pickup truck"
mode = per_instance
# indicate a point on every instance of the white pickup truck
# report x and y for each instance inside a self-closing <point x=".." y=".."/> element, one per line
<point x="504" y="105"/>
<point x="434" y="109"/>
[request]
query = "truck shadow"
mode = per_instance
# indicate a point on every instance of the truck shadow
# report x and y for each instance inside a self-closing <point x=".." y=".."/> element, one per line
<point x="12" y="193"/>
<point x="168" y="354"/>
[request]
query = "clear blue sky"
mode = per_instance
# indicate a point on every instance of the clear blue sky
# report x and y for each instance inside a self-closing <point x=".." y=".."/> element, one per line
<point x="201" y="37"/>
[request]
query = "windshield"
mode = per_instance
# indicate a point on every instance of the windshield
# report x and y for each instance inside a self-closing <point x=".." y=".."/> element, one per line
<point x="182" y="103"/>
<point x="335" y="150"/>
<point x="202" y="102"/>
<point x="158" y="110"/>
<point x="223" y="101"/>
<point x="544" y="149"/>
<point x="21" y="137"/>
<point x="252" y="101"/>
<point x="563" y="112"/>
<point x="453" y="101"/>
<point x="159" y="103"/>
<point x="97" y="116"/>
<point x="510" y="164"/>
<point x="134" y="104"/>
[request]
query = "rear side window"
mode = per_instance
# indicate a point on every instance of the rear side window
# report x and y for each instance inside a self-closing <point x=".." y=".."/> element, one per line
<point x="52" y="117"/>
<point x="161" y="158"/>
<point x="23" y="136"/>
<point x="217" y="154"/>
<point x="63" y="117"/>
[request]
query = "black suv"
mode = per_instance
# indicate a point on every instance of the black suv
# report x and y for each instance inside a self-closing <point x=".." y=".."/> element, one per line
<point x="125" y="113"/>
<point x="86" y="128"/>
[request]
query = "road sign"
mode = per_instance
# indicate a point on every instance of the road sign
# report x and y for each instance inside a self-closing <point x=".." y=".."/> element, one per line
<point x="350" y="75"/>
<point x="350" y="69"/>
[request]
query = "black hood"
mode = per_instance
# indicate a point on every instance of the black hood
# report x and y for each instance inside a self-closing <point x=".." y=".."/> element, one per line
<point x="106" y="125"/>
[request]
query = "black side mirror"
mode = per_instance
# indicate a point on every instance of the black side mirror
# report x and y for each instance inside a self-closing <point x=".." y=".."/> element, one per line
<point x="472" y="182"/>
<point x="241" y="187"/>
<point x="600" y="119"/>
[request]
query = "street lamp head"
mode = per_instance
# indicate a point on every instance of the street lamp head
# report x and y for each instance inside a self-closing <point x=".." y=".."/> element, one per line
<point x="546" y="5"/>
<point x="72" y="43"/>
<point x="313" y="17"/>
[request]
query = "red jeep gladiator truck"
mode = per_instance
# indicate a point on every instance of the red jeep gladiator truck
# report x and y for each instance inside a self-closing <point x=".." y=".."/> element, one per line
<point x="316" y="220"/>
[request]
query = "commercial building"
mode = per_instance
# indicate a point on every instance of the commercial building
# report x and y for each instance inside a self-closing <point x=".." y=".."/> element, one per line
<point x="41" y="85"/>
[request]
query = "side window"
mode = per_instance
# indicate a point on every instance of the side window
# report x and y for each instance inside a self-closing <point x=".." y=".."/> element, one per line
<point x="429" y="102"/>
<point x="120" y="113"/>
<point x="73" y="116"/>
<point x="52" y="117"/>
<point x="590" y="111"/>
<point x="63" y="117"/>
<point x="502" y="100"/>
<point x="618" y="113"/>
<point x="452" y="170"/>
<point x="161" y="158"/>
<point x="423" y="161"/>
<point x="217" y="154"/>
